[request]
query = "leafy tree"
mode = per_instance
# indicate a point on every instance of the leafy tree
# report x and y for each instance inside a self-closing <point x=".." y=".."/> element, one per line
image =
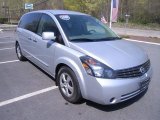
<point x="86" y="6"/>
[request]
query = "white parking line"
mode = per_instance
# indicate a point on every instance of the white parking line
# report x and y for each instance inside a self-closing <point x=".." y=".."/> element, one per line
<point x="27" y="96"/>
<point x="9" y="61"/>
<point x="7" y="42"/>
<point x="7" y="48"/>
<point x="152" y="43"/>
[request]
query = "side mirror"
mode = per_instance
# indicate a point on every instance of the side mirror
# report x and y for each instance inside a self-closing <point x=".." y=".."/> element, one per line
<point x="48" y="36"/>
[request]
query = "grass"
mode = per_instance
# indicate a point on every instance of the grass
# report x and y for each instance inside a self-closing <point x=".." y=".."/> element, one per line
<point x="148" y="26"/>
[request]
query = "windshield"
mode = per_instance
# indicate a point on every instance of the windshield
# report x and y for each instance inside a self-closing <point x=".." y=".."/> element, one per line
<point x="84" y="28"/>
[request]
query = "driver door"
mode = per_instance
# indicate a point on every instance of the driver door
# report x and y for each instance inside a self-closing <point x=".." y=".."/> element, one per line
<point x="45" y="49"/>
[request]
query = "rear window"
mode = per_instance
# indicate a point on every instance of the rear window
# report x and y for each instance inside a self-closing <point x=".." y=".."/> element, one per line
<point x="30" y="21"/>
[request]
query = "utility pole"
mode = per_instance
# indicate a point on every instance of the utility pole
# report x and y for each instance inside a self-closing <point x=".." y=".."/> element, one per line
<point x="110" y="23"/>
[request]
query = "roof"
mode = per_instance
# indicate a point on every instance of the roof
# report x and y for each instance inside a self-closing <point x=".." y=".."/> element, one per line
<point x="56" y="12"/>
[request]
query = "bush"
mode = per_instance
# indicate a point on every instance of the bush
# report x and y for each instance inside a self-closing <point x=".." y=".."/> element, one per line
<point x="3" y="20"/>
<point x="121" y="19"/>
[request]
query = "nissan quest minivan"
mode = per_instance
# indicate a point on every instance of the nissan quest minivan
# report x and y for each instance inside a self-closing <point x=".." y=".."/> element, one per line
<point x="86" y="58"/>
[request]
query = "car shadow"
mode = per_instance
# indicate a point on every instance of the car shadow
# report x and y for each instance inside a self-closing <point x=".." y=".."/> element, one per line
<point x="114" y="107"/>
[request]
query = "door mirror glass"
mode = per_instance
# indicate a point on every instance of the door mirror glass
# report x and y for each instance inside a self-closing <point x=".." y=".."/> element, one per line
<point x="48" y="36"/>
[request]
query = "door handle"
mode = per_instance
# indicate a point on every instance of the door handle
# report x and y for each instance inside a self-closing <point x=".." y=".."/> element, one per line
<point x="29" y="38"/>
<point x="35" y="40"/>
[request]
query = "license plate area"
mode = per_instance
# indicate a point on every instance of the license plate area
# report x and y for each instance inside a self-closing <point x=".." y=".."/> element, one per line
<point x="144" y="83"/>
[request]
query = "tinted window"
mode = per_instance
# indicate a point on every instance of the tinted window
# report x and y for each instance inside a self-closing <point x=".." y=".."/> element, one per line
<point x="47" y="25"/>
<point x="30" y="21"/>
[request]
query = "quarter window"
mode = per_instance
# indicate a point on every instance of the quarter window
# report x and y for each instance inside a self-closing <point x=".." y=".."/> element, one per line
<point x="30" y="21"/>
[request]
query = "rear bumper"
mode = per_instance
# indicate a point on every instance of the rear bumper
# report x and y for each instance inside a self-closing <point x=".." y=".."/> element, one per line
<point x="112" y="91"/>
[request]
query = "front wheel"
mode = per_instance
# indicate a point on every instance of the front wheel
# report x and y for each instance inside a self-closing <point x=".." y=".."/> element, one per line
<point x="68" y="85"/>
<point x="19" y="53"/>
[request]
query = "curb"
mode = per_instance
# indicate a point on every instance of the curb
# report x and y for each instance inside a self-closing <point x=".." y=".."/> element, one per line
<point x="152" y="43"/>
<point x="137" y="32"/>
<point x="7" y="29"/>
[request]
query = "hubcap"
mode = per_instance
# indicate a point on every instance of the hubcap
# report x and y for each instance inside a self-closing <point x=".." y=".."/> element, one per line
<point x="18" y="51"/>
<point x="66" y="84"/>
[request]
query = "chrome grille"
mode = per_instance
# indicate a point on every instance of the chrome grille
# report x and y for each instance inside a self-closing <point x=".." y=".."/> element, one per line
<point x="134" y="71"/>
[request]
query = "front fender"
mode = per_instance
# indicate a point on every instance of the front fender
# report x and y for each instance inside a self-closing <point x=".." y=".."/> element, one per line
<point x="77" y="70"/>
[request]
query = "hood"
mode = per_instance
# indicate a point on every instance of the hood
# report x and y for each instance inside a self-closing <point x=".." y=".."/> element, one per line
<point x="117" y="54"/>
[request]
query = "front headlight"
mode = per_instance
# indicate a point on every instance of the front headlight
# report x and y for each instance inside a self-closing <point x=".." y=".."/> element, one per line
<point x="96" y="68"/>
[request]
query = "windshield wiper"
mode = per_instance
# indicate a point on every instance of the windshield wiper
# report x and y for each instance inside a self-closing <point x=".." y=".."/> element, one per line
<point x="82" y="40"/>
<point x="109" y="39"/>
<point x="94" y="40"/>
<point x="113" y="38"/>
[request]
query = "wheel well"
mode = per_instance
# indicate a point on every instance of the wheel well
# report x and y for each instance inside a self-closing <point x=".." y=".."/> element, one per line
<point x="58" y="68"/>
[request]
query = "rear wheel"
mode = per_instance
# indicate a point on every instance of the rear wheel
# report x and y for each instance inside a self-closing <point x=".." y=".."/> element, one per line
<point x="19" y="53"/>
<point x="68" y="85"/>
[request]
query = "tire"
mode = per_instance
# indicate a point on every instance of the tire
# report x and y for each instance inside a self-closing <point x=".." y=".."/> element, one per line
<point x="19" y="53"/>
<point x="68" y="85"/>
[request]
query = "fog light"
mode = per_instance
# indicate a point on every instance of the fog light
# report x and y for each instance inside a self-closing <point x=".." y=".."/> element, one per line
<point x="113" y="100"/>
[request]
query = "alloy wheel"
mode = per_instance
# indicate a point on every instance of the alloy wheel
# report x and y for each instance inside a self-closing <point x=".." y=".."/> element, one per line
<point x="66" y="84"/>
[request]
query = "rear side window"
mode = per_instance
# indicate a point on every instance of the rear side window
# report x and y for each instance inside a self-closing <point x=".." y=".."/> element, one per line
<point x="30" y="21"/>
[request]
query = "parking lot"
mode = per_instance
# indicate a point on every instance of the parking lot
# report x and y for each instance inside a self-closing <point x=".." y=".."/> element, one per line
<point x="27" y="93"/>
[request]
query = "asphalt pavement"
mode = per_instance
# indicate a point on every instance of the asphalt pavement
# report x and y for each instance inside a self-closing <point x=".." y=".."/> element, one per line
<point x="28" y="93"/>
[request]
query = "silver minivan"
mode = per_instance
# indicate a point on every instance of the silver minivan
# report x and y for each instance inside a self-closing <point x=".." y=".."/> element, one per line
<point x="86" y="58"/>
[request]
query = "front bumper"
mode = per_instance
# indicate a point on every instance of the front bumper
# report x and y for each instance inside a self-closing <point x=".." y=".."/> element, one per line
<point x="112" y="91"/>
